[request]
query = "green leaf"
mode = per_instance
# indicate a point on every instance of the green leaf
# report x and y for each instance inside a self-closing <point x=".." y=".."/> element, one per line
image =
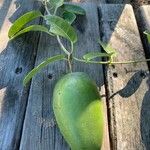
<point x="61" y="27"/>
<point x="148" y="35"/>
<point x="108" y="49"/>
<point x="31" y="28"/>
<point x="40" y="66"/>
<point x="93" y="55"/>
<point x="74" y="9"/>
<point x="69" y="17"/>
<point x="56" y="3"/>
<point x="22" y="21"/>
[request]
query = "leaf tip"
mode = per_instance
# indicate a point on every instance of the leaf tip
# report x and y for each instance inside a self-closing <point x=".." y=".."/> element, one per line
<point x="25" y="82"/>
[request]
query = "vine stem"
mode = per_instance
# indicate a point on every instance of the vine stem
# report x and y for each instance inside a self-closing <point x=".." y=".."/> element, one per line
<point x="131" y="61"/>
<point x="46" y="8"/>
<point x="70" y="62"/>
<point x="55" y="11"/>
<point x="72" y="47"/>
<point x="111" y="63"/>
<point x="62" y="46"/>
<point x="92" y="62"/>
<point x="69" y="59"/>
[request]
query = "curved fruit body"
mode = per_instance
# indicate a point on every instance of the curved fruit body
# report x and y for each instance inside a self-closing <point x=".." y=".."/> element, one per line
<point x="79" y="111"/>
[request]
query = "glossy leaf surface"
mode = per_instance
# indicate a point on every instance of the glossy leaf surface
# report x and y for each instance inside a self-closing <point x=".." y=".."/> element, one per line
<point x="31" y="28"/>
<point x="61" y="27"/>
<point x="74" y="9"/>
<point x="22" y="21"/>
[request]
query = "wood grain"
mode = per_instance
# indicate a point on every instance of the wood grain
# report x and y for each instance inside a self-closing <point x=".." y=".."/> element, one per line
<point x="16" y="59"/>
<point x="126" y="86"/>
<point x="40" y="130"/>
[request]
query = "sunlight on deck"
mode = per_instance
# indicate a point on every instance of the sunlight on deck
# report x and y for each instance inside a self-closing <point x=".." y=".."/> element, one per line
<point x="1" y="3"/>
<point x="5" y="25"/>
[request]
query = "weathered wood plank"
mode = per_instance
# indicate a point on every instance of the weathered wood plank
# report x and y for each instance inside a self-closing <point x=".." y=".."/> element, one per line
<point x="16" y="59"/>
<point x="40" y="131"/>
<point x="126" y="84"/>
<point x="143" y="20"/>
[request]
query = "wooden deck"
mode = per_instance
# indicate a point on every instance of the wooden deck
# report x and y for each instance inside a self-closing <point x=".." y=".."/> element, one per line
<point x="26" y="117"/>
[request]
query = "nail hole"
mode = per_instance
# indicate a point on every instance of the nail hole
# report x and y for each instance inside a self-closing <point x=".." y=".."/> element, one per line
<point x="115" y="75"/>
<point x="113" y="66"/>
<point x="18" y="70"/>
<point x="50" y="76"/>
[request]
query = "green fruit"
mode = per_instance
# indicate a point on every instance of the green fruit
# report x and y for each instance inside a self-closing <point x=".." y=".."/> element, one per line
<point x="79" y="111"/>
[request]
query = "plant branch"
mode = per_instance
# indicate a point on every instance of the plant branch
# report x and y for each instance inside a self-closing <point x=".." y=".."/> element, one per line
<point x="68" y="54"/>
<point x="91" y="62"/>
<point x="70" y="62"/>
<point x="62" y="46"/>
<point x="72" y="47"/>
<point x="110" y="62"/>
<point x="46" y="8"/>
<point x="55" y="11"/>
<point x="131" y="61"/>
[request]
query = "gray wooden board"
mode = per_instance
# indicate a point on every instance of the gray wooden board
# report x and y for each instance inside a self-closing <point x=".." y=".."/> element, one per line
<point x="143" y="20"/>
<point x="127" y="91"/>
<point x="40" y="130"/>
<point x="16" y="59"/>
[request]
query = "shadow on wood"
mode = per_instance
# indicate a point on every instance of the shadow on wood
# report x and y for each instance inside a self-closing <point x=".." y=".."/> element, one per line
<point x="132" y="86"/>
<point x="125" y="84"/>
<point x="145" y="119"/>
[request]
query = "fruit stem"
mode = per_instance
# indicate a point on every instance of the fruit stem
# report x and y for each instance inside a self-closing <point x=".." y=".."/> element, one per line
<point x="70" y="62"/>
<point x="72" y="47"/>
